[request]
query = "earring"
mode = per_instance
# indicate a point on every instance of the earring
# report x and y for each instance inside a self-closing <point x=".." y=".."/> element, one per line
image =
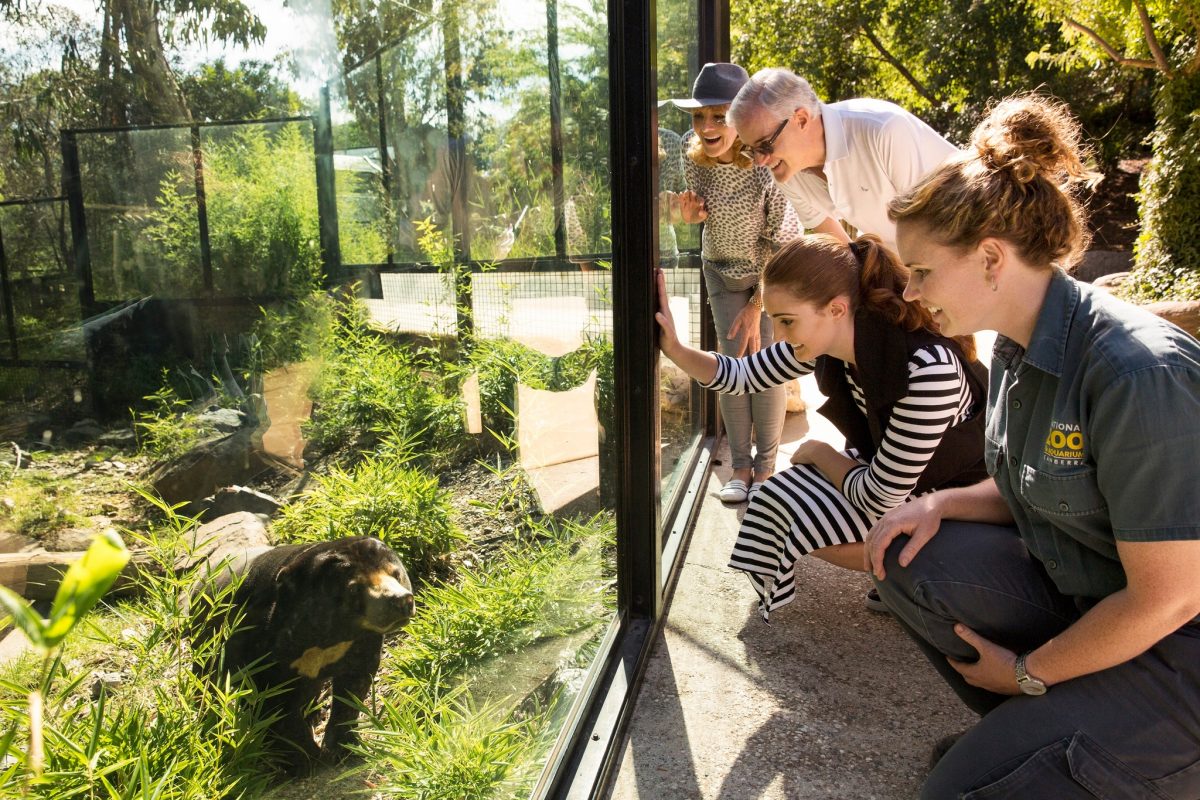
<point x="993" y="284"/>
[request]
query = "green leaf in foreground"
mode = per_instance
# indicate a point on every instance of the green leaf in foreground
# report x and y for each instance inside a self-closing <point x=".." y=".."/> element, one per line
<point x="84" y="583"/>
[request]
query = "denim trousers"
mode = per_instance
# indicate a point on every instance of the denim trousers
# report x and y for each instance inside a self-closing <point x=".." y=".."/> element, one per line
<point x="750" y="418"/>
<point x="1130" y="731"/>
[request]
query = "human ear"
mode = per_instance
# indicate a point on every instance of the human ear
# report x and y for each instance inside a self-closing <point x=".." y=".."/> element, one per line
<point x="838" y="307"/>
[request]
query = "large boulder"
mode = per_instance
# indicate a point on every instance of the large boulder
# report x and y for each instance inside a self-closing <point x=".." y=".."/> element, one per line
<point x="212" y="464"/>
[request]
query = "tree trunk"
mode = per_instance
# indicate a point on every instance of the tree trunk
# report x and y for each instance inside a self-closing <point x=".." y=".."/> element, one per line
<point x="155" y="96"/>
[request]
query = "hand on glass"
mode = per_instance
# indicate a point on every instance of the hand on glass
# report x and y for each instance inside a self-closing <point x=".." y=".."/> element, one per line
<point x="691" y="207"/>
<point x="995" y="669"/>
<point x="920" y="518"/>
<point x="667" y="340"/>
<point x="746" y="332"/>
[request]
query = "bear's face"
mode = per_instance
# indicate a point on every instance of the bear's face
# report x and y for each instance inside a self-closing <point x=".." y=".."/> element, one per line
<point x="359" y="579"/>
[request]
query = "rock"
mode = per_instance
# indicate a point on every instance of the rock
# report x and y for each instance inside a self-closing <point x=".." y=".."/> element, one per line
<point x="124" y="438"/>
<point x="1111" y="281"/>
<point x="1184" y="313"/>
<point x="85" y="431"/>
<point x="226" y="420"/>
<point x="105" y="682"/>
<point x="224" y="535"/>
<point x="70" y="540"/>
<point x="36" y="574"/>
<point x="232" y="499"/>
<point x="213" y="463"/>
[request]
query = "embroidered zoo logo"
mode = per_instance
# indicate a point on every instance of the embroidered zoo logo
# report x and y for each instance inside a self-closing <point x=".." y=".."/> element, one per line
<point x="1064" y="444"/>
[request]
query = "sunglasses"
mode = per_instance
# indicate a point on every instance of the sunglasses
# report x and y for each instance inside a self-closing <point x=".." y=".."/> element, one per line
<point x="766" y="148"/>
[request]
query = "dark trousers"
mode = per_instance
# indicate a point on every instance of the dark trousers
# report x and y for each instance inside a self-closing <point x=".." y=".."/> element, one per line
<point x="1132" y="731"/>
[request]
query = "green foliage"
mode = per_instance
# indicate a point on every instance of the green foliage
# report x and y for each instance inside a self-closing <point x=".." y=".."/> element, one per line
<point x="1167" y="253"/>
<point x="262" y="215"/>
<point x="370" y="388"/>
<point x="294" y="330"/>
<point x="384" y="497"/>
<point x="542" y="589"/>
<point x="251" y="90"/>
<point x="165" y="429"/>
<point x="434" y="746"/>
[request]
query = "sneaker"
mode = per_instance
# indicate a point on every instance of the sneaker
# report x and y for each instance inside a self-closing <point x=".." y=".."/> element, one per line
<point x="754" y="487"/>
<point x="734" y="492"/>
<point x="874" y="602"/>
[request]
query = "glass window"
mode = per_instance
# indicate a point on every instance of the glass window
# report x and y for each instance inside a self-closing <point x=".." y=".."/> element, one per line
<point x="319" y="271"/>
<point x="681" y="422"/>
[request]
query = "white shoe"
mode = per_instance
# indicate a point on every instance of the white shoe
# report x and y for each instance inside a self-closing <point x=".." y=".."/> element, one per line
<point x="754" y="487"/>
<point x="734" y="491"/>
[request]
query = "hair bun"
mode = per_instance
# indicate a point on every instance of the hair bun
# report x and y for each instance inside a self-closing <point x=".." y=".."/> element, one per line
<point x="1030" y="135"/>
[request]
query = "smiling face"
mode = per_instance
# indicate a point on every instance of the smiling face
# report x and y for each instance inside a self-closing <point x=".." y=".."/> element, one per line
<point x="799" y="145"/>
<point x="810" y="329"/>
<point x="716" y="138"/>
<point x="952" y="283"/>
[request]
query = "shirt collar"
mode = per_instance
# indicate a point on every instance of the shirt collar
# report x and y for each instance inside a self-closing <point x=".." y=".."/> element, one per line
<point x="835" y="134"/>
<point x="1047" y="346"/>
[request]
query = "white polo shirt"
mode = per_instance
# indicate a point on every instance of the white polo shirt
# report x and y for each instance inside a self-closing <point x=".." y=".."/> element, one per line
<point x="874" y="150"/>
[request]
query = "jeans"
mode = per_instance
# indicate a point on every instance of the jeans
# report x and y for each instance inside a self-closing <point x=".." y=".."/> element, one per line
<point x="761" y="414"/>
<point x="1130" y="731"/>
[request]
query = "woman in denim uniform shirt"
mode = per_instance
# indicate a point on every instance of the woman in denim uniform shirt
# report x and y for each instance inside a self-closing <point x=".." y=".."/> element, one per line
<point x="1060" y="597"/>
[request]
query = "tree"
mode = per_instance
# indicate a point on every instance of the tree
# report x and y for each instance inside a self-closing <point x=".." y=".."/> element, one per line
<point x="1162" y="37"/>
<point x="251" y="90"/>
<point x="133" y="57"/>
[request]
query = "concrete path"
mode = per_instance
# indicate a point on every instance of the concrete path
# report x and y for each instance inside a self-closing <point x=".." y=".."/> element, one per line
<point x="828" y="701"/>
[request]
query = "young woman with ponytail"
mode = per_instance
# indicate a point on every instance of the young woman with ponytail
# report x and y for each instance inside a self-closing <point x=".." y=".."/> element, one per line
<point x="908" y="400"/>
<point x="1060" y="597"/>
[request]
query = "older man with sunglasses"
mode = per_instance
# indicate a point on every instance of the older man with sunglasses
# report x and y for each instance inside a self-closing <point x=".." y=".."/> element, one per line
<point x="841" y="161"/>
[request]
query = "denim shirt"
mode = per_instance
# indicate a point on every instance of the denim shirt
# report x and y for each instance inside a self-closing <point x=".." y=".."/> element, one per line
<point x="1093" y="434"/>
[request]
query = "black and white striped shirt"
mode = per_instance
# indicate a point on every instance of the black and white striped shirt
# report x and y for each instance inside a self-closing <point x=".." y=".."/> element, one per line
<point x="938" y="398"/>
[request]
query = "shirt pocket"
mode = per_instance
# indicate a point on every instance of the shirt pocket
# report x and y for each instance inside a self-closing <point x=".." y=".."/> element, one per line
<point x="1062" y="494"/>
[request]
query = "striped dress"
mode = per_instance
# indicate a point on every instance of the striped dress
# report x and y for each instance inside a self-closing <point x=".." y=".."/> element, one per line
<point x="798" y="511"/>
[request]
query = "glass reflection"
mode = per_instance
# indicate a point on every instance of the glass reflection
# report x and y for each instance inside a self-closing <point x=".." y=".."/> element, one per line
<point x="679" y="243"/>
<point x="346" y="268"/>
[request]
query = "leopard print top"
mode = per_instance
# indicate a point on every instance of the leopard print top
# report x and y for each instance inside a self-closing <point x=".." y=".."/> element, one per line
<point x="748" y="217"/>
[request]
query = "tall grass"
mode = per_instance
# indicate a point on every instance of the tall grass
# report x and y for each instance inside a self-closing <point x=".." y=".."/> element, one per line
<point x="370" y="389"/>
<point x="381" y="496"/>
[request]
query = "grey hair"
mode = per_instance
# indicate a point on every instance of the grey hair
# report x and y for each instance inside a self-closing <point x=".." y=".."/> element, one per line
<point x="775" y="90"/>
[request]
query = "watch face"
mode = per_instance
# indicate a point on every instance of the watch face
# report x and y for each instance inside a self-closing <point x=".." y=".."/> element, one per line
<point x="1033" y="686"/>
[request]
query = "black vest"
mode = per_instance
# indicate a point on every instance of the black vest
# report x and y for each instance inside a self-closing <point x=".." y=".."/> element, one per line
<point x="882" y="351"/>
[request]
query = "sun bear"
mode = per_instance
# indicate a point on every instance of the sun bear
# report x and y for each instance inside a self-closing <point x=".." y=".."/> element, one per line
<point x="309" y="613"/>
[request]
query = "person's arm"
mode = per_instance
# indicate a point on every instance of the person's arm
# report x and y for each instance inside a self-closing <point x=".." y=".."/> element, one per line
<point x="937" y="388"/>
<point x="697" y="363"/>
<point x="1161" y="595"/>
<point x="922" y="516"/>
<point x="832" y="227"/>
<point x="774" y="366"/>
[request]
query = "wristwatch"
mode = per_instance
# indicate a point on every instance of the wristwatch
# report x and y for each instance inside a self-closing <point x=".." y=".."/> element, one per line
<point x="1026" y="682"/>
